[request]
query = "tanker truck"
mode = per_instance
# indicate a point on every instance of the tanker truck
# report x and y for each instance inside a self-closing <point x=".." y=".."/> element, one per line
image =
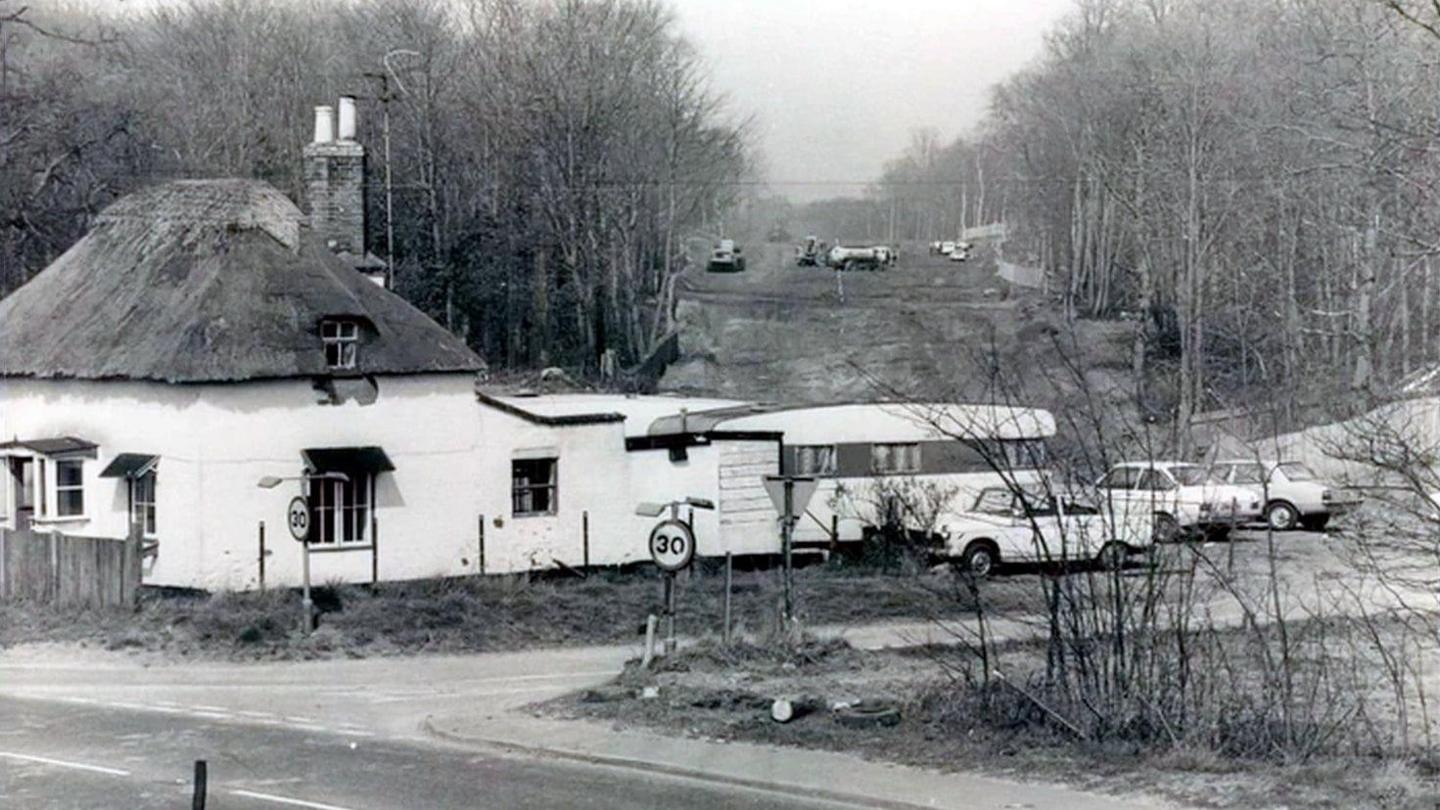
<point x="842" y="257"/>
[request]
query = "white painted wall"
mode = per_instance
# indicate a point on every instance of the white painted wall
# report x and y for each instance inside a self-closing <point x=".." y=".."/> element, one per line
<point x="452" y="456"/>
<point x="216" y="441"/>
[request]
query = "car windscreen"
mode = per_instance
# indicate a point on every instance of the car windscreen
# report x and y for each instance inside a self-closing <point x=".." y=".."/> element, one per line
<point x="994" y="502"/>
<point x="1295" y="471"/>
<point x="1190" y="475"/>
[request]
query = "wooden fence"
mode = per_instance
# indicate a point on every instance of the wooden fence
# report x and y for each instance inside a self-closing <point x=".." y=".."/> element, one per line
<point x="68" y="571"/>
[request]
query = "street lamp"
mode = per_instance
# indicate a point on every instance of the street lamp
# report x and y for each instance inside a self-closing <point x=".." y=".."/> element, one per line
<point x="652" y="509"/>
<point x="307" y="605"/>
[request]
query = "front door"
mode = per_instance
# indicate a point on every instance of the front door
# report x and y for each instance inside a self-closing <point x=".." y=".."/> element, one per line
<point x="22" y="483"/>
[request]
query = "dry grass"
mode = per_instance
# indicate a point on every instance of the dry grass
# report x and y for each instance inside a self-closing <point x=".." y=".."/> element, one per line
<point x="479" y="614"/>
<point x="949" y="724"/>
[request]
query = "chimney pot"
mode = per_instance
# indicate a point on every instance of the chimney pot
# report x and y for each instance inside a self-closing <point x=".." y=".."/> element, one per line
<point x="347" y="118"/>
<point x="324" y="124"/>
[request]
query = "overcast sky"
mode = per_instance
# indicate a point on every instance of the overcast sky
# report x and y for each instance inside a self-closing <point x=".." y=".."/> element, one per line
<point x="837" y="85"/>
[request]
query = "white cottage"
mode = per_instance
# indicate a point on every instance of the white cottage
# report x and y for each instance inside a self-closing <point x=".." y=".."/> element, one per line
<point x="200" y="338"/>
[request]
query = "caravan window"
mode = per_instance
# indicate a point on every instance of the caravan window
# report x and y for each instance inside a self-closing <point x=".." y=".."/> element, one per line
<point x="1023" y="453"/>
<point x="895" y="458"/>
<point x="815" y="459"/>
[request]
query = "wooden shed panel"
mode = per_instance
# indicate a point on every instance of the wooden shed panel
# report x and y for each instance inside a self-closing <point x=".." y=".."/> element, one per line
<point x="747" y="518"/>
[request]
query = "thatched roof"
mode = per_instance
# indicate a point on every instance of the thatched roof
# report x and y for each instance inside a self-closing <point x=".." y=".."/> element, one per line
<point x="209" y="281"/>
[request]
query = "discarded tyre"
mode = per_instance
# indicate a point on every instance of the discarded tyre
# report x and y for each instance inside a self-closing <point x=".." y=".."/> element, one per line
<point x="868" y="714"/>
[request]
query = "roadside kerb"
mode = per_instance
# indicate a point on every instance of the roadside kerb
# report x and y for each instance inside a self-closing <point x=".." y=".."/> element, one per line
<point x="946" y="791"/>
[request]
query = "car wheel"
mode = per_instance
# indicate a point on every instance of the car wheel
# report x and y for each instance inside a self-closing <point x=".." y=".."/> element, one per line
<point x="1315" y="523"/>
<point x="1112" y="556"/>
<point x="979" y="560"/>
<point x="1281" y="516"/>
<point x="1167" y="528"/>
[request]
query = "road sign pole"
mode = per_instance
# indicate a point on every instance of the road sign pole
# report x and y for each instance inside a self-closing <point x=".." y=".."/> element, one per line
<point x="670" y="643"/>
<point x="786" y="540"/>
<point x="307" y="605"/>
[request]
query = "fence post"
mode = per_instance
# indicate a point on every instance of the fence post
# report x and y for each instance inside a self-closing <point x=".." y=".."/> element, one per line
<point x="54" y="549"/>
<point x="261" y="558"/>
<point x="585" y="535"/>
<point x="130" y="561"/>
<point x="729" y="573"/>
<point x="834" y="534"/>
<point x="198" y="802"/>
<point x="482" y="544"/>
<point x="374" y="549"/>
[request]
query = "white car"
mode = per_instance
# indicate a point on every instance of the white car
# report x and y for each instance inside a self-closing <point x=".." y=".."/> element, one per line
<point x="1185" y="499"/>
<point x="961" y="252"/>
<point x="1294" y="496"/>
<point x="946" y="248"/>
<point x="1006" y="525"/>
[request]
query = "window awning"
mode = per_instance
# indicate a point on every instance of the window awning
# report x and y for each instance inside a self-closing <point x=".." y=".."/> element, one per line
<point x="129" y="465"/>
<point x="369" y="460"/>
<point x="61" y="446"/>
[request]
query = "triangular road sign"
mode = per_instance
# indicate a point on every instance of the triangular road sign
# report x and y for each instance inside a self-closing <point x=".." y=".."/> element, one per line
<point x="802" y="490"/>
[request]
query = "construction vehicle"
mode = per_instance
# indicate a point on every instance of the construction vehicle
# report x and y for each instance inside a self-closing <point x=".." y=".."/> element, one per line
<point x="726" y="258"/>
<point x="809" y="253"/>
<point x="842" y="257"/>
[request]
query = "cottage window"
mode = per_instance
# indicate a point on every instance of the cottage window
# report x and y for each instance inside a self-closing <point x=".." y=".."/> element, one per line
<point x="341" y="339"/>
<point x="895" y="458"/>
<point x="69" y="488"/>
<point x="532" y="486"/>
<point x="815" y="459"/>
<point x="142" y="502"/>
<point x="340" y="510"/>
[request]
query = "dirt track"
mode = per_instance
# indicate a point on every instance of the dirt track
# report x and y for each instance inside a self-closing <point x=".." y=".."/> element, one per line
<point x="925" y="328"/>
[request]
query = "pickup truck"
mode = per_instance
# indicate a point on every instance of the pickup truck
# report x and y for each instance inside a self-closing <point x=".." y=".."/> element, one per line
<point x="1012" y="524"/>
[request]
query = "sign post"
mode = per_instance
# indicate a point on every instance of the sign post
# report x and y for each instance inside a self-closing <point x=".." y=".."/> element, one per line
<point x="298" y="518"/>
<point x="790" y="494"/>
<point x="672" y="547"/>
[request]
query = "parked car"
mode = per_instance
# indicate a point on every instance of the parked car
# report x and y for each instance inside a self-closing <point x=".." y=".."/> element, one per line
<point x="1184" y="499"/>
<point x="961" y="252"/>
<point x="1006" y="525"/>
<point x="726" y="258"/>
<point x="1294" y="496"/>
<point x="946" y="248"/>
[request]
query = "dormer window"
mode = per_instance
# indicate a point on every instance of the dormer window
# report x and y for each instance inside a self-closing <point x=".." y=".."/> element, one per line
<point x="341" y="338"/>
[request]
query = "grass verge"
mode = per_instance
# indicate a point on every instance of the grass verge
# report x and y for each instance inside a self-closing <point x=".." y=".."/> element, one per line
<point x="715" y="692"/>
<point x="481" y="613"/>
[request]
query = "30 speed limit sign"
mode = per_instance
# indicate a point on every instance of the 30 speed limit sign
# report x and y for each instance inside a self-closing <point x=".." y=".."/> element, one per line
<point x="298" y="516"/>
<point x="672" y="545"/>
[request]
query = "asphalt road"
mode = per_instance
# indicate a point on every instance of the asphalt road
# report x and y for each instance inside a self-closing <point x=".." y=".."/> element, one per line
<point x="56" y="755"/>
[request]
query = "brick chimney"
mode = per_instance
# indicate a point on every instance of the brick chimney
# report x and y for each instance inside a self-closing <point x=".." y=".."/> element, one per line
<point x="335" y="181"/>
